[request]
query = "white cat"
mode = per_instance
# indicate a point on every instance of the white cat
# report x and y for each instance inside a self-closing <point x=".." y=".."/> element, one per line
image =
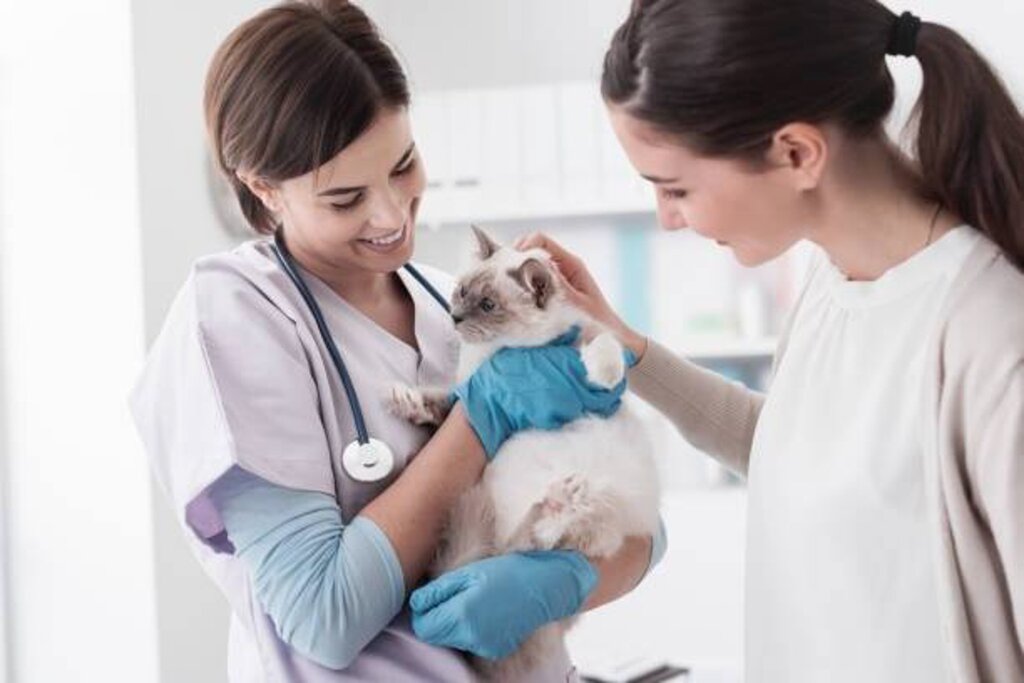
<point x="586" y="486"/>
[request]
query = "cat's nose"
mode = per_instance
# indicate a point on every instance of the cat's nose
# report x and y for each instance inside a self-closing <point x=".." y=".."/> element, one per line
<point x="456" y="318"/>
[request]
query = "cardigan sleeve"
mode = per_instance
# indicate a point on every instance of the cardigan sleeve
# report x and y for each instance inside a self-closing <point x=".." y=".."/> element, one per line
<point x="998" y="445"/>
<point x="716" y="415"/>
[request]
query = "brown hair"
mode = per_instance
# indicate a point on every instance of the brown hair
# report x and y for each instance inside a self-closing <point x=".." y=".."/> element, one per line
<point x="293" y="86"/>
<point x="723" y="76"/>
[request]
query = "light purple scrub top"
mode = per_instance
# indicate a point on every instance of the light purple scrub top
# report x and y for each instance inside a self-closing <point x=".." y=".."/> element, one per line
<point x="239" y="376"/>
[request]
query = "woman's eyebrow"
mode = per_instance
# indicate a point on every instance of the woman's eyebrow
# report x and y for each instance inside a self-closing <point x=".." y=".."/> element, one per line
<point x="659" y="181"/>
<point x="349" y="190"/>
<point x="405" y="157"/>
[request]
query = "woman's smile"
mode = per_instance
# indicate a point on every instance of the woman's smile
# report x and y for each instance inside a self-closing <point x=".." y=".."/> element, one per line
<point x="387" y="242"/>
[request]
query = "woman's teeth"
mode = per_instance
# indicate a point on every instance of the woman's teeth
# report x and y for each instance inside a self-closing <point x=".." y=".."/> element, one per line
<point x="386" y="239"/>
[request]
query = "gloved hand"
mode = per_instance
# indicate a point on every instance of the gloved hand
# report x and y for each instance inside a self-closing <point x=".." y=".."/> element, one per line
<point x="491" y="606"/>
<point x="540" y="387"/>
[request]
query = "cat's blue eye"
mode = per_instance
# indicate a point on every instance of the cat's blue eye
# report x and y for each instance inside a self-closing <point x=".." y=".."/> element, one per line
<point x="486" y="305"/>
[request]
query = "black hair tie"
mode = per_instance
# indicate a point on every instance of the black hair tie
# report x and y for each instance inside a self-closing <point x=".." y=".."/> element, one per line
<point x="903" y="37"/>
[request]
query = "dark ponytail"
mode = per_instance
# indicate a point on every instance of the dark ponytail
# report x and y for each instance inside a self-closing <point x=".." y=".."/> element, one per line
<point x="722" y="76"/>
<point x="970" y="141"/>
<point x="293" y="86"/>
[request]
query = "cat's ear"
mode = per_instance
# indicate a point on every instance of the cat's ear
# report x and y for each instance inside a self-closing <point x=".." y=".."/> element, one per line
<point x="486" y="245"/>
<point x="536" y="278"/>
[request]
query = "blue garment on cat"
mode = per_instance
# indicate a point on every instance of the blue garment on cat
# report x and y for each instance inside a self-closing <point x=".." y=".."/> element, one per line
<point x="543" y="387"/>
<point x="329" y="588"/>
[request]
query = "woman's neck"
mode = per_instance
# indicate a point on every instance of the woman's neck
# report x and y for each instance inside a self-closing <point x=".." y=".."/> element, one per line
<point x="873" y="216"/>
<point x="361" y="288"/>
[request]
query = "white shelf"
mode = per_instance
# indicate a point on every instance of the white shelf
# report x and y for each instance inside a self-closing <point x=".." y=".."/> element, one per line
<point x="449" y="214"/>
<point x="516" y="153"/>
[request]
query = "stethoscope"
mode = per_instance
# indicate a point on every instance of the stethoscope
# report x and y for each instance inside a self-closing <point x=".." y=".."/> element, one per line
<point x="366" y="459"/>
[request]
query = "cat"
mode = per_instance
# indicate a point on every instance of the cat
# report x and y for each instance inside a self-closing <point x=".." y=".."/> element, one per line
<point x="586" y="486"/>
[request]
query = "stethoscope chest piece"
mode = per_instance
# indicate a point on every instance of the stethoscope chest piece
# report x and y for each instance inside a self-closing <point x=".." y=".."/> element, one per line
<point x="368" y="462"/>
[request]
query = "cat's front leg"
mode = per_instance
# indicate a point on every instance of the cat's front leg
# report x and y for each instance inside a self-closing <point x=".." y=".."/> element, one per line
<point x="603" y="359"/>
<point x="419" y="405"/>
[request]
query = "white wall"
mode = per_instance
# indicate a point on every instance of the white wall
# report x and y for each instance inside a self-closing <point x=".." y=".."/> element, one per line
<point x="173" y="43"/>
<point x="79" y="552"/>
<point x="468" y="43"/>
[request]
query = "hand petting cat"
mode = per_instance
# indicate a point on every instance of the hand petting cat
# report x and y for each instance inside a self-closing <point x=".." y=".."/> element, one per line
<point x="583" y="292"/>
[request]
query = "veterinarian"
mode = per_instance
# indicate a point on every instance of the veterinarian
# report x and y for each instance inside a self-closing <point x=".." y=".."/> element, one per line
<point x="885" y="465"/>
<point x="313" y="509"/>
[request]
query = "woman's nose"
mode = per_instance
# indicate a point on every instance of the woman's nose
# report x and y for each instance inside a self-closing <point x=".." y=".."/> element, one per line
<point x="670" y="217"/>
<point x="390" y="209"/>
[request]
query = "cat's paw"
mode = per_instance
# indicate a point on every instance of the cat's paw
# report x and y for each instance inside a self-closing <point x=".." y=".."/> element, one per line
<point x="566" y="502"/>
<point x="604" y="361"/>
<point x="575" y="515"/>
<point x="409" y="403"/>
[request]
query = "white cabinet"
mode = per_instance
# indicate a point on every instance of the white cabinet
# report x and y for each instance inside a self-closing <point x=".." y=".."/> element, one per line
<point x="503" y="154"/>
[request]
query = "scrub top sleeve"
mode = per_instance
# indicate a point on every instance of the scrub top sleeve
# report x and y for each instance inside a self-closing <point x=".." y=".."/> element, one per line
<point x="262" y="376"/>
<point x="228" y="382"/>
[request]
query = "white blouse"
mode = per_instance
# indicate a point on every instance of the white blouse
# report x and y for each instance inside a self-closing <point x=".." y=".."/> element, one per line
<point x="840" y="584"/>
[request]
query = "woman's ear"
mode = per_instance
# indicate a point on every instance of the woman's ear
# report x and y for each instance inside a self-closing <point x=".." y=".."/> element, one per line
<point x="802" y="149"/>
<point x="265" y="190"/>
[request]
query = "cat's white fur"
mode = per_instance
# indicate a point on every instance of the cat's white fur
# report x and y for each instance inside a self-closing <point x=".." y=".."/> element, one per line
<point x="540" y="327"/>
<point x="586" y="486"/>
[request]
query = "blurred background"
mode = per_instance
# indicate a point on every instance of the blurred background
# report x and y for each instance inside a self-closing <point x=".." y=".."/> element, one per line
<point x="107" y="196"/>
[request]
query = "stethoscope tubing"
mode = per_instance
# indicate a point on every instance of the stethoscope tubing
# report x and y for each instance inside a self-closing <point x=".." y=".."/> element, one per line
<point x="284" y="257"/>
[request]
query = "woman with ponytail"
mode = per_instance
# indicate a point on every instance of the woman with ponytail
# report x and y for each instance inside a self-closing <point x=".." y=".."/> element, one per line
<point x="885" y="464"/>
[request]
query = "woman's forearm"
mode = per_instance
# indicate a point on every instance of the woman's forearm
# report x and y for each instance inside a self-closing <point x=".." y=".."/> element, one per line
<point x="413" y="510"/>
<point x="714" y="414"/>
<point x="620" y="573"/>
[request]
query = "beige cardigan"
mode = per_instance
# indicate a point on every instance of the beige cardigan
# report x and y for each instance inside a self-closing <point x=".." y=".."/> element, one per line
<point x="974" y="464"/>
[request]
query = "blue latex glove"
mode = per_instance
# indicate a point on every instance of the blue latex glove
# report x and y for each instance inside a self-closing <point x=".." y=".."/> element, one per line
<point x="540" y="387"/>
<point x="491" y="606"/>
